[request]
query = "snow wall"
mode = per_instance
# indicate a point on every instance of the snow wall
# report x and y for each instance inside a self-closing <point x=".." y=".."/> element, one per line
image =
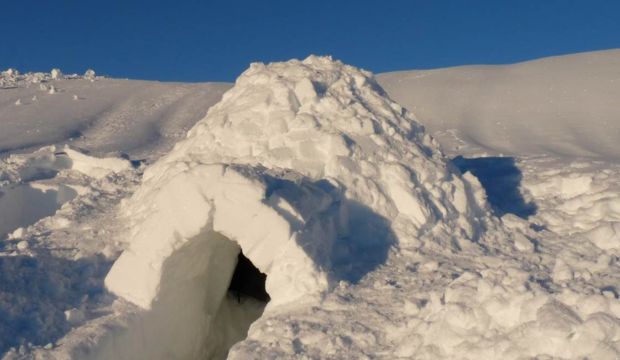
<point x="308" y="168"/>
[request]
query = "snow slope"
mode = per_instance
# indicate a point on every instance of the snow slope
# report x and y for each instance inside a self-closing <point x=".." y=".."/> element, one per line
<point x="565" y="105"/>
<point x="142" y="119"/>
<point x="374" y="243"/>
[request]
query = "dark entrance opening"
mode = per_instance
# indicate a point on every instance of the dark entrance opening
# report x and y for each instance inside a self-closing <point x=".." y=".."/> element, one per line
<point x="248" y="281"/>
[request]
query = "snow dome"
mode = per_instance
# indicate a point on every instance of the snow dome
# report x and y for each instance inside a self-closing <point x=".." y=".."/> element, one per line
<point x="302" y="167"/>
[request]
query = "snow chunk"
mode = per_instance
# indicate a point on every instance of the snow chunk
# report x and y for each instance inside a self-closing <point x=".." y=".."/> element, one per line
<point x="90" y="75"/>
<point x="30" y="194"/>
<point x="606" y="236"/>
<point x="56" y="74"/>
<point x="49" y="160"/>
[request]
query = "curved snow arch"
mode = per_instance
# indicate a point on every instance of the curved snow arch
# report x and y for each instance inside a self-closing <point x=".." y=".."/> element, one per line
<point x="269" y="225"/>
<point x="187" y="234"/>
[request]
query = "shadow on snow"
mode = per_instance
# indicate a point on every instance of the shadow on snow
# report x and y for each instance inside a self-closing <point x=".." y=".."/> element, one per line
<point x="35" y="292"/>
<point x="365" y="247"/>
<point x="501" y="179"/>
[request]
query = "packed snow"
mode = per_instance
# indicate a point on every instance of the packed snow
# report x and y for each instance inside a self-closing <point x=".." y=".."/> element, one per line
<point x="308" y="215"/>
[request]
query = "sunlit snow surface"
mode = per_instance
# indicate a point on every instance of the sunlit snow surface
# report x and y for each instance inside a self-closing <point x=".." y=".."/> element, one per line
<point x="562" y="106"/>
<point x="391" y="253"/>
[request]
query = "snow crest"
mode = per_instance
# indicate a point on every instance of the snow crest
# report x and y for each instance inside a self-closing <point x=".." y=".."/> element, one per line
<point x="309" y="169"/>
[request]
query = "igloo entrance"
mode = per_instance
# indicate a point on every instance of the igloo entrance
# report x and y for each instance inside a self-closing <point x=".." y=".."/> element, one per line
<point x="248" y="281"/>
<point x="185" y="244"/>
<point x="209" y="295"/>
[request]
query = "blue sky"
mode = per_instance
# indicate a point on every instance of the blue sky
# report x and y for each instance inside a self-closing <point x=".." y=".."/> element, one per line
<point x="216" y="40"/>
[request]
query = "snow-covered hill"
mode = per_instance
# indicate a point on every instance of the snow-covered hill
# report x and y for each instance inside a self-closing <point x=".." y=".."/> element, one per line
<point x="308" y="215"/>
<point x="565" y="105"/>
<point x="142" y="119"/>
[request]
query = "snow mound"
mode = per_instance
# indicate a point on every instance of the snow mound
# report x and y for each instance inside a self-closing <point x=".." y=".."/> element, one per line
<point x="49" y="160"/>
<point x="30" y="190"/>
<point x="310" y="170"/>
<point x="53" y="253"/>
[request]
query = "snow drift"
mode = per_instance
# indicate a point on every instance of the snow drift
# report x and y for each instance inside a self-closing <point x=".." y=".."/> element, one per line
<point x="30" y="188"/>
<point x="310" y="170"/>
<point x="563" y="105"/>
<point x="140" y="118"/>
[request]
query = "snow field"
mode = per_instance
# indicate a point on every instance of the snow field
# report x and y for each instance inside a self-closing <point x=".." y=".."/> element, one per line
<point x="373" y="243"/>
<point x="563" y="106"/>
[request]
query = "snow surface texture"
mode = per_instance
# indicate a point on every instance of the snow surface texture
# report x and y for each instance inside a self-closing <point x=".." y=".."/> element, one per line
<point x="26" y="195"/>
<point x="142" y="119"/>
<point x="51" y="263"/>
<point x="531" y="274"/>
<point x="565" y="105"/>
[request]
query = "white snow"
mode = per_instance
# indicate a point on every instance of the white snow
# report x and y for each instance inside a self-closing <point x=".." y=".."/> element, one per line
<point x="31" y="190"/>
<point x="375" y="244"/>
<point x="274" y="156"/>
<point x="565" y="105"/>
<point x="140" y="118"/>
<point x="90" y="75"/>
<point x="56" y="74"/>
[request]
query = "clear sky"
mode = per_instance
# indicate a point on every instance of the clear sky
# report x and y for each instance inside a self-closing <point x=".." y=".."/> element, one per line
<point x="216" y="40"/>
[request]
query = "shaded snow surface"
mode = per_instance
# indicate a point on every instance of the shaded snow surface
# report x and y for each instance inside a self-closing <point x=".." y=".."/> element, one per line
<point x="374" y="244"/>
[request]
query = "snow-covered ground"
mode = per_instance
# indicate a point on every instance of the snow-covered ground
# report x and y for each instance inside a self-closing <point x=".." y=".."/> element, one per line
<point x="142" y="119"/>
<point x="115" y="243"/>
<point x="564" y="106"/>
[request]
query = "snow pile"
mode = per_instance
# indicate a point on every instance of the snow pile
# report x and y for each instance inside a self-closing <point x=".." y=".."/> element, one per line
<point x="29" y="187"/>
<point x="578" y="198"/>
<point x="8" y="79"/>
<point x="48" y="161"/>
<point x="12" y="78"/>
<point x="310" y="170"/>
<point x="580" y="203"/>
<point x="90" y="75"/>
<point x="493" y="315"/>
<point x="56" y="74"/>
<point x="53" y="253"/>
